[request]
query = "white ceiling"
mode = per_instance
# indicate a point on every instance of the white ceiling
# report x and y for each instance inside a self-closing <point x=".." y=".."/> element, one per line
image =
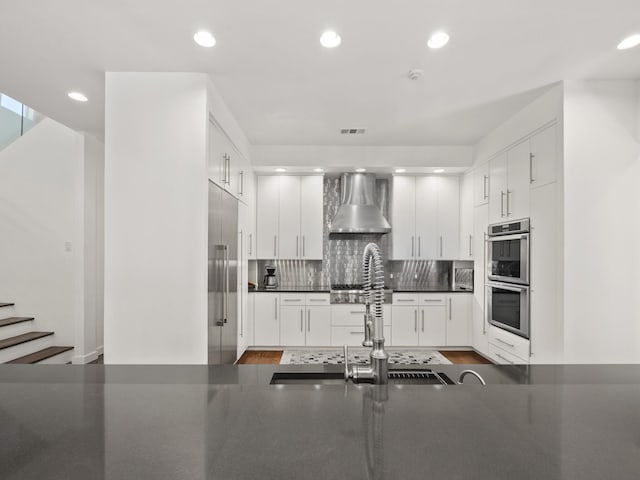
<point x="284" y="88"/>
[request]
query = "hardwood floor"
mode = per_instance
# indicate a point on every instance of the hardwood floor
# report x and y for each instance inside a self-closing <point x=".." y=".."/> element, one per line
<point x="269" y="357"/>
<point x="260" y="357"/>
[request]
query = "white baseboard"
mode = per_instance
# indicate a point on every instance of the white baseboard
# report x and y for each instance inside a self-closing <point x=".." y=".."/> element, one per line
<point x="100" y="350"/>
<point x="84" y="359"/>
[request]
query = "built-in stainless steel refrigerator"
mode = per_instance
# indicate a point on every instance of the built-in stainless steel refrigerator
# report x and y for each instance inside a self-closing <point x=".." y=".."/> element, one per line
<point x="222" y="314"/>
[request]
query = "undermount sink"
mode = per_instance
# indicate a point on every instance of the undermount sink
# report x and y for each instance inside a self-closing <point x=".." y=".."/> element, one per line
<point x="396" y="377"/>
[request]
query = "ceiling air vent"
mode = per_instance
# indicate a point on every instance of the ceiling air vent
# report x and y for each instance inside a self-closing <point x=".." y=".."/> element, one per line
<point x="352" y="131"/>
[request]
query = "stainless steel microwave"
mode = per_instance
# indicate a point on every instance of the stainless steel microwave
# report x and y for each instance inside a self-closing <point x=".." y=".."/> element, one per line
<point x="507" y="307"/>
<point x="508" y="252"/>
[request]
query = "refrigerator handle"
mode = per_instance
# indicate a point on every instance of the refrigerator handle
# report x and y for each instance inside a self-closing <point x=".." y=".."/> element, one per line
<point x="220" y="321"/>
<point x="226" y="283"/>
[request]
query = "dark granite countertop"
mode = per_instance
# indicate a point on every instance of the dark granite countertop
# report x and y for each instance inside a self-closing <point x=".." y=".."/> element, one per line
<point x="299" y="289"/>
<point x="423" y="290"/>
<point x="178" y="422"/>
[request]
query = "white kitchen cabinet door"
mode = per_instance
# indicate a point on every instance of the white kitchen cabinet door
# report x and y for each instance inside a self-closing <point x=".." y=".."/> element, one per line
<point x="481" y="185"/>
<point x="250" y="200"/>
<point x="318" y="326"/>
<point x="497" y="188"/>
<point x="216" y="155"/>
<point x="432" y="326"/>
<point x="544" y="152"/>
<point x="517" y="205"/>
<point x="289" y="241"/>
<point x="241" y="288"/>
<point x="311" y="218"/>
<point x="266" y="319"/>
<point x="448" y="218"/>
<point x="480" y="339"/>
<point x="426" y="198"/>
<point x="458" y="319"/>
<point x="267" y="221"/>
<point x="403" y="218"/>
<point x="250" y="325"/>
<point x="352" y="336"/>
<point x="466" y="217"/>
<point x="404" y="326"/>
<point x="292" y="326"/>
<point x="240" y="171"/>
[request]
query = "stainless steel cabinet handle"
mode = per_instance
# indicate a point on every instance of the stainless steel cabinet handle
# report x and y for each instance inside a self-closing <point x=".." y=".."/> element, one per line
<point x="301" y="320"/>
<point x="405" y="300"/>
<point x="419" y="242"/>
<point x="275" y="301"/>
<point x="361" y="332"/>
<point x="506" y="343"/>
<point x="223" y="169"/>
<point x="433" y="300"/>
<point x="292" y="300"/>
<point x="356" y="312"/>
<point x="228" y="169"/>
<point x="449" y="309"/>
<point x="251" y="244"/>
<point x="241" y="291"/>
<point x="531" y="157"/>
<point x="241" y="184"/>
<point x="303" y="246"/>
<point x="323" y="300"/>
<point x="423" y="320"/>
<point x="501" y="203"/>
<point x="440" y="245"/>
<point x="275" y="240"/>
<point x="297" y="246"/>
<point x="309" y="320"/>
<point x="486" y="181"/>
<point x="470" y="245"/>
<point x="415" y="320"/>
<point x="509" y="192"/>
<point x="505" y="359"/>
<point x="412" y="246"/>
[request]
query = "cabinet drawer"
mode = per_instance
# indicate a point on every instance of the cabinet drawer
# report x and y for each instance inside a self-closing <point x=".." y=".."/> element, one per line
<point x="502" y="357"/>
<point x="405" y="299"/>
<point x="427" y="299"/>
<point x="317" y="299"/>
<point x="509" y="342"/>
<point x="353" y="315"/>
<point x="292" y="298"/>
<point x="353" y="336"/>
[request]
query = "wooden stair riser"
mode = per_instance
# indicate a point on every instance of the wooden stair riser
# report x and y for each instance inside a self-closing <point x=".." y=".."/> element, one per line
<point x="15" y="329"/>
<point x="11" y="353"/>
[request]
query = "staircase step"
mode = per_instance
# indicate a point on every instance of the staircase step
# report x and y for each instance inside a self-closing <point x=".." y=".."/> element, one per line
<point x="6" y="304"/>
<point x="25" y="337"/>
<point x="13" y="320"/>
<point x="41" y="355"/>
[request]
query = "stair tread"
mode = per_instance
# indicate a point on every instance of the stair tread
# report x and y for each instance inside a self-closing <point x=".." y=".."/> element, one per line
<point x="13" y="320"/>
<point x="40" y="355"/>
<point x="25" y="337"/>
<point x="2" y="304"/>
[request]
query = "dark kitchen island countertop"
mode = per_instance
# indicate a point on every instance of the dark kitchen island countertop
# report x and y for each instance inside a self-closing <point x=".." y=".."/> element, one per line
<point x="298" y="289"/>
<point x="226" y="422"/>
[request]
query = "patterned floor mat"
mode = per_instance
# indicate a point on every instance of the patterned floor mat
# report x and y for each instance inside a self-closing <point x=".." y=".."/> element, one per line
<point x="360" y="356"/>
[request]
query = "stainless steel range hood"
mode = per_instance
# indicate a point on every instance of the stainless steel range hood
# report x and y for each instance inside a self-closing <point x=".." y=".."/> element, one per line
<point x="358" y="212"/>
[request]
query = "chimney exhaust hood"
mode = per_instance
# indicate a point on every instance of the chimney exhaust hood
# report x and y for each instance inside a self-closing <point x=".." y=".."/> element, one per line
<point x="358" y="212"/>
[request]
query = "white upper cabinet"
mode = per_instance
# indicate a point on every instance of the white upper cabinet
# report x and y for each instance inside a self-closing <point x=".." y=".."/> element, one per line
<point x="448" y="218"/>
<point x="290" y="217"/>
<point x="311" y="220"/>
<point x="481" y="185"/>
<point x="403" y="218"/>
<point x="497" y="188"/>
<point x="517" y="198"/>
<point x="544" y="147"/>
<point x="425" y="217"/>
<point x="268" y="218"/>
<point x="466" y="216"/>
<point x="226" y="166"/>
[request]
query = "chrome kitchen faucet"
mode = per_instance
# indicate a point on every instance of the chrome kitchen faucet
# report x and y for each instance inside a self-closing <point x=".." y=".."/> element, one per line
<point x="378" y="370"/>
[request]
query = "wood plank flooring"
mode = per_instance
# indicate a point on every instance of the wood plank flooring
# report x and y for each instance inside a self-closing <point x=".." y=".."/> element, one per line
<point x="269" y="357"/>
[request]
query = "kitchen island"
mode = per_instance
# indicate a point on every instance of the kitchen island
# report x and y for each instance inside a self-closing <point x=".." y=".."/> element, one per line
<point x="183" y="422"/>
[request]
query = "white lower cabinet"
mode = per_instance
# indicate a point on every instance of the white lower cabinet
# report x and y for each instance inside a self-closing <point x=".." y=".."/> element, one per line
<point x="354" y="335"/>
<point x="404" y="327"/>
<point x="458" y="319"/>
<point x="305" y="320"/>
<point x="292" y="326"/>
<point x="505" y="347"/>
<point x="347" y="325"/>
<point x="318" y="326"/>
<point x="266" y="319"/>
<point x="433" y="326"/>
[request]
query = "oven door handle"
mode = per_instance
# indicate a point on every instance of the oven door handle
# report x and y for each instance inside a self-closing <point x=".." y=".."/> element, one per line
<point x="508" y="286"/>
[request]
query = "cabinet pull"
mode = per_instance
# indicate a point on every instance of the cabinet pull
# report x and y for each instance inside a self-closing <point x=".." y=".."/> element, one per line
<point x="406" y="300"/>
<point x="301" y="320"/>
<point x="223" y="169"/>
<point x="412" y="246"/>
<point x="419" y="242"/>
<point x="506" y="343"/>
<point x="441" y="245"/>
<point x="470" y="245"/>
<point x="228" y="169"/>
<point x="275" y="240"/>
<point x="324" y="300"/>
<point x="423" y="321"/>
<point x="241" y="182"/>
<point x="505" y="359"/>
<point x="415" y="321"/>
<point x="275" y="302"/>
<point x="501" y="203"/>
<point x="292" y="300"/>
<point x="251" y="244"/>
<point x="297" y="246"/>
<point x="509" y="192"/>
<point x="484" y="185"/>
<point x="356" y="312"/>
<point x="433" y="300"/>
<point x="308" y="320"/>
<point x="357" y="333"/>
<point x="449" y="309"/>
<point x="531" y="157"/>
<point x="303" y="245"/>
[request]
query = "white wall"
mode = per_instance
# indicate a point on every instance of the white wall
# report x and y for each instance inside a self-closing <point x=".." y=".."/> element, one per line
<point x="155" y="218"/>
<point x="42" y="228"/>
<point x="602" y="222"/>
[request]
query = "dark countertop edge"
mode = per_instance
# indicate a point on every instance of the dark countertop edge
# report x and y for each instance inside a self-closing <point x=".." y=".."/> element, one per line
<point x="406" y="290"/>
<point x="328" y="289"/>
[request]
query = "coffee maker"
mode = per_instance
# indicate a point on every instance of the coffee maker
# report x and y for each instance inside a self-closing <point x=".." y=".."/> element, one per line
<point x="270" y="280"/>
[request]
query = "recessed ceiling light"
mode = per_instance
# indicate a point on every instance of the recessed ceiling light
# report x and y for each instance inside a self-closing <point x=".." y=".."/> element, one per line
<point x="401" y="170"/>
<point x="77" y="96"/>
<point x="318" y="170"/>
<point x="438" y="40"/>
<point x="439" y="170"/>
<point x="330" y="39"/>
<point x="204" y="39"/>
<point x="280" y="170"/>
<point x="360" y="170"/>
<point x="629" y="42"/>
